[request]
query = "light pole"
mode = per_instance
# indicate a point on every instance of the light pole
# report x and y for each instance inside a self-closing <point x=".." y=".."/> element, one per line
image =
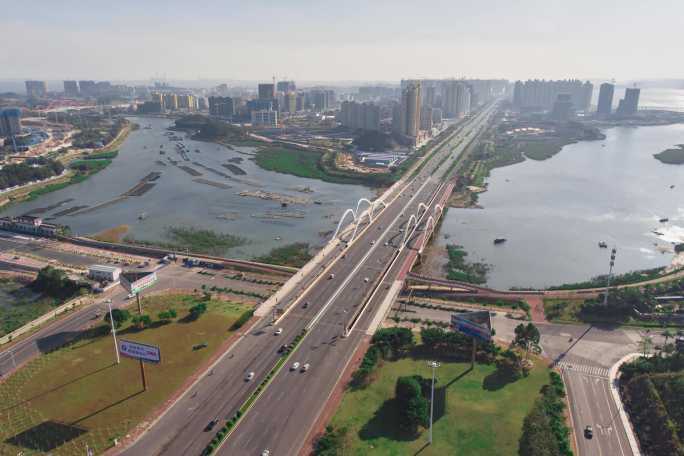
<point x="111" y="320"/>
<point x="434" y="365"/>
<point x="610" y="275"/>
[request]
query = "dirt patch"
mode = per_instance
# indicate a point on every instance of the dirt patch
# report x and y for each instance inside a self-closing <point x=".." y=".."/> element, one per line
<point x="112" y="234"/>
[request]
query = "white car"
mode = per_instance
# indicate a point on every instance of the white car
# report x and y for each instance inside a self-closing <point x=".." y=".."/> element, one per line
<point x="295" y="366"/>
<point x="249" y="377"/>
<point x="278" y="331"/>
<point x="365" y="279"/>
<point x="306" y="367"/>
<point x="266" y="453"/>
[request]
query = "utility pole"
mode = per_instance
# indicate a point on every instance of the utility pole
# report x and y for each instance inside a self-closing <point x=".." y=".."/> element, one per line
<point x="610" y="275"/>
<point x="434" y="365"/>
<point x="111" y="320"/>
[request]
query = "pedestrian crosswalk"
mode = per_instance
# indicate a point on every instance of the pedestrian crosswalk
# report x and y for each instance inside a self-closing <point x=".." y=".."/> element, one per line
<point x="584" y="369"/>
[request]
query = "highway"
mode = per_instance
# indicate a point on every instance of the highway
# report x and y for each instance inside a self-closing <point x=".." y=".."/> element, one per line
<point x="290" y="404"/>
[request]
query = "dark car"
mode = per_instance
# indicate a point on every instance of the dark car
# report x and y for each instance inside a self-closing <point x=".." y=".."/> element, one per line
<point x="282" y="349"/>
<point x="210" y="425"/>
<point x="588" y="432"/>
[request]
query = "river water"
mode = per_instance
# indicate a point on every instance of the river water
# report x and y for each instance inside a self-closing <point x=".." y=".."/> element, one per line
<point x="177" y="199"/>
<point x="554" y="212"/>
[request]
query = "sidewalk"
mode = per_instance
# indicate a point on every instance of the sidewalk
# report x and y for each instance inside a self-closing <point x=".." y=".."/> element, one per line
<point x="613" y="375"/>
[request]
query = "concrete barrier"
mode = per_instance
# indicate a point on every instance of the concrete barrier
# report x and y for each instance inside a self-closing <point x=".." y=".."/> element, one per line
<point x="69" y="305"/>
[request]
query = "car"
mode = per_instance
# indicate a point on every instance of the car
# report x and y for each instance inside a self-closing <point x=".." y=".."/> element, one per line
<point x="210" y="425"/>
<point x="295" y="366"/>
<point x="372" y="242"/>
<point x="108" y="301"/>
<point x="306" y="367"/>
<point x="588" y="432"/>
<point x="386" y="244"/>
<point x="249" y="376"/>
<point x="282" y="348"/>
<point x="305" y="305"/>
<point x="278" y="331"/>
<point x="266" y="453"/>
<point x="16" y="257"/>
<point x="130" y="296"/>
<point x="365" y="279"/>
<point x="331" y="276"/>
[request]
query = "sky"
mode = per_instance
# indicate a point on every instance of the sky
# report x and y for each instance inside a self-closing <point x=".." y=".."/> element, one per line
<point x="340" y="40"/>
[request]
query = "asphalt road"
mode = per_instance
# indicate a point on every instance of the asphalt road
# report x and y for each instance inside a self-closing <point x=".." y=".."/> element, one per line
<point x="331" y="303"/>
<point x="65" y="328"/>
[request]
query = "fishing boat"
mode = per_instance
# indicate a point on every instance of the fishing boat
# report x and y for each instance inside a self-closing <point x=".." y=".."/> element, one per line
<point x="603" y="245"/>
<point x="142" y="216"/>
<point x="664" y="220"/>
<point x="499" y="241"/>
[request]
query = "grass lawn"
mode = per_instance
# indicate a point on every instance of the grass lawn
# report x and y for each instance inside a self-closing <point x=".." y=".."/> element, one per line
<point x="291" y="161"/>
<point x="79" y="394"/>
<point x="20" y="305"/>
<point x="479" y="418"/>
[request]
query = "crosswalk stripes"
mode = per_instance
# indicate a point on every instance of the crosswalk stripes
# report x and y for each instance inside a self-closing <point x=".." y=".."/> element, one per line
<point x="584" y="369"/>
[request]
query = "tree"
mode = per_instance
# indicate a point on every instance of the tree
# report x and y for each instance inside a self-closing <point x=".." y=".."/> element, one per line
<point x="527" y="337"/>
<point x="667" y="334"/>
<point x="142" y="321"/>
<point x="646" y="344"/>
<point x="396" y="339"/>
<point x="510" y="364"/>
<point x="413" y="407"/>
<point x="119" y="315"/>
<point x="197" y="310"/>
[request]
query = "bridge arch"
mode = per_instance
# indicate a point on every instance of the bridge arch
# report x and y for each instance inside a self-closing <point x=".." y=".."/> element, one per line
<point x="421" y="205"/>
<point x="427" y="233"/>
<point x="344" y="216"/>
<point x="408" y="228"/>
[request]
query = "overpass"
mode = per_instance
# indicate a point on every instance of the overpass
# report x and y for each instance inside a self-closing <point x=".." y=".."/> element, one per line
<point x="338" y="299"/>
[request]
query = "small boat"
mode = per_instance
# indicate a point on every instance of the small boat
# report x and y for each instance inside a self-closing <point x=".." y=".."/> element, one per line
<point x="664" y="220"/>
<point x="318" y="202"/>
<point x="672" y="186"/>
<point x="197" y="150"/>
<point x="277" y="238"/>
<point x="142" y="216"/>
<point x="283" y="204"/>
<point x="657" y="233"/>
<point x="499" y="241"/>
<point x="603" y="245"/>
<point x="161" y="152"/>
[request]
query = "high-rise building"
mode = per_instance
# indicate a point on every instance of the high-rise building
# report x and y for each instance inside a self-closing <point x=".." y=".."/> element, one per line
<point x="605" y="99"/>
<point x="221" y="106"/>
<point x="562" y="108"/>
<point x="286" y="86"/>
<point x="540" y="95"/>
<point x="71" y="88"/>
<point x="289" y="102"/>
<point x="265" y="118"/>
<point x="170" y="101"/>
<point x="36" y="89"/>
<point x="410" y="109"/>
<point x="456" y="100"/>
<point x="187" y="102"/>
<point x="629" y="105"/>
<point x="436" y="116"/>
<point x="355" y="115"/>
<point x="266" y="91"/>
<point x="426" y="118"/>
<point x="87" y="88"/>
<point x="10" y="121"/>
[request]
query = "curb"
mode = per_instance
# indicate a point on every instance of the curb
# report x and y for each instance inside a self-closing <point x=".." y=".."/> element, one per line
<point x="613" y="376"/>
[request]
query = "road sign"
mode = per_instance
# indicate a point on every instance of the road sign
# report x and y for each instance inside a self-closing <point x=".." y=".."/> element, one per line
<point x="473" y="324"/>
<point x="143" y="352"/>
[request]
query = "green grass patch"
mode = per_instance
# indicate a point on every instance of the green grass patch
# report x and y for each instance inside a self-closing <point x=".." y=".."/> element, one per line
<point x="542" y="150"/>
<point x="80" y="384"/>
<point x="20" y="305"/>
<point x="102" y="155"/>
<point x="196" y="240"/>
<point x="458" y="268"/>
<point x="295" y="255"/>
<point x="473" y="417"/>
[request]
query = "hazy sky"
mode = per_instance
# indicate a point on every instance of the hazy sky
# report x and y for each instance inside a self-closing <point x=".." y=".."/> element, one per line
<point x="341" y="39"/>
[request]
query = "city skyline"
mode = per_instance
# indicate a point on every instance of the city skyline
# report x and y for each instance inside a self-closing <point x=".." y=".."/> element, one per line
<point x="528" y="40"/>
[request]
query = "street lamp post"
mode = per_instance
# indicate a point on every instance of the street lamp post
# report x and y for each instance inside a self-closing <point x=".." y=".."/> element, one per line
<point x="434" y="365"/>
<point x="111" y="320"/>
<point x="610" y="275"/>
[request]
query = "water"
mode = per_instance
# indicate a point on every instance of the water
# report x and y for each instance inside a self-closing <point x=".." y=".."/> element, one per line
<point x="554" y="212"/>
<point x="176" y="200"/>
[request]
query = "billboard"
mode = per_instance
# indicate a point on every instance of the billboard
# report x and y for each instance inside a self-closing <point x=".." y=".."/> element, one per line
<point x="473" y="324"/>
<point x="143" y="352"/>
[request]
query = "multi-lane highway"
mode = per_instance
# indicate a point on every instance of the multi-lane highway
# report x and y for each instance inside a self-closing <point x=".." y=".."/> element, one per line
<point x="284" y="414"/>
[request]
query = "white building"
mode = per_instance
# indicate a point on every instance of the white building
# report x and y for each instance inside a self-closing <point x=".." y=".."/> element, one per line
<point x="265" y="118"/>
<point x="102" y="272"/>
